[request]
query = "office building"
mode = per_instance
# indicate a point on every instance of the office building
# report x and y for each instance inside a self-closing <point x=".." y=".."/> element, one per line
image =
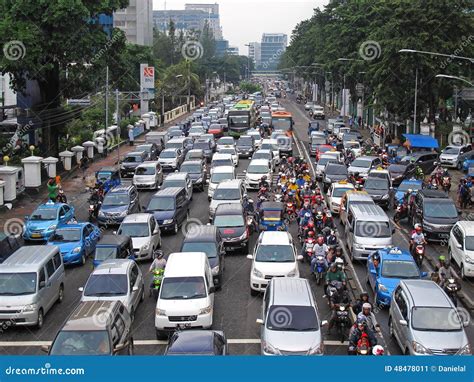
<point x="272" y="48"/>
<point x="221" y="47"/>
<point x="212" y="16"/>
<point x="233" y="50"/>
<point x="136" y="21"/>
<point x="255" y="53"/>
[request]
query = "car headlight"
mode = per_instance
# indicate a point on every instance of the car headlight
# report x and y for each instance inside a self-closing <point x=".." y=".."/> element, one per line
<point x="257" y="273"/>
<point x="466" y="350"/>
<point x="385" y="197"/>
<point x="428" y="227"/>
<point x="146" y="246"/>
<point x="29" y="308"/>
<point x="51" y="227"/>
<point x="419" y="348"/>
<point x="268" y="348"/>
<point x="293" y="273"/>
<point x="318" y="349"/>
<point x="206" y="310"/>
<point x="160" y="312"/>
<point x="101" y="213"/>
<point x="215" y="270"/>
<point x="469" y="260"/>
<point x="76" y="250"/>
<point x="383" y="288"/>
<point x="168" y="221"/>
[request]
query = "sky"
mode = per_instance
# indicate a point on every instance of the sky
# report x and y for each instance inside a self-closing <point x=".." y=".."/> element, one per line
<point x="245" y="21"/>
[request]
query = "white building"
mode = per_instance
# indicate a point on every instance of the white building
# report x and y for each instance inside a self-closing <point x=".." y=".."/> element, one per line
<point x="213" y="18"/>
<point x="136" y="21"/>
<point x="255" y="53"/>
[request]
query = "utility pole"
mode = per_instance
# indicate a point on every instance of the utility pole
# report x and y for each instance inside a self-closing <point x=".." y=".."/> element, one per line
<point x="106" y="99"/>
<point x="118" y="122"/>
<point x="416" y="98"/>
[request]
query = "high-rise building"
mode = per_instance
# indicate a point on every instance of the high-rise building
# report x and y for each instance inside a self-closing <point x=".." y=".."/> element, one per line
<point x="136" y="21"/>
<point x="183" y="20"/>
<point x="272" y="48"/>
<point x="255" y="53"/>
<point x="221" y="47"/>
<point x="212" y="16"/>
<point x="233" y="50"/>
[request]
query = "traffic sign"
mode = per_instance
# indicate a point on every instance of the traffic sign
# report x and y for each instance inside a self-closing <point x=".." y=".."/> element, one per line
<point x="79" y="102"/>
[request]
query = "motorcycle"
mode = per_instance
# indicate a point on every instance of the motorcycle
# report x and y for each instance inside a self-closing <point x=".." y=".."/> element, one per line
<point x="291" y="211"/>
<point x="278" y="197"/>
<point x="446" y="183"/>
<point x="451" y="288"/>
<point x="263" y="192"/>
<point x="320" y="269"/>
<point x="401" y="212"/>
<point x="342" y="322"/>
<point x="308" y="248"/>
<point x="319" y="221"/>
<point x="419" y="254"/>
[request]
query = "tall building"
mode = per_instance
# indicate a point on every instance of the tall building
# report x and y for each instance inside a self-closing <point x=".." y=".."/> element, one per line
<point x="183" y="19"/>
<point x="221" y="47"/>
<point x="136" y="21"/>
<point x="272" y="48"/>
<point x="233" y="50"/>
<point x="212" y="16"/>
<point x="255" y="53"/>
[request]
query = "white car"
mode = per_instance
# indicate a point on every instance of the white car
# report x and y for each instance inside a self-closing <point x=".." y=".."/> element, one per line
<point x="354" y="146"/>
<point x="257" y="138"/>
<point x="265" y="154"/>
<point x="220" y="174"/>
<point x="342" y="131"/>
<point x="145" y="234"/>
<point x="232" y="151"/>
<point x="309" y="105"/>
<point x="225" y="141"/>
<point x="274" y="256"/>
<point x="148" y="176"/>
<point x="221" y="160"/>
<point x="335" y="193"/>
<point x="363" y="165"/>
<point x="318" y="112"/>
<point x="272" y="144"/>
<point x="170" y="158"/>
<point x="321" y="164"/>
<point x="453" y="156"/>
<point x="461" y="247"/>
<point x="117" y="279"/>
<point x="227" y="191"/>
<point x="196" y="132"/>
<point x="255" y="171"/>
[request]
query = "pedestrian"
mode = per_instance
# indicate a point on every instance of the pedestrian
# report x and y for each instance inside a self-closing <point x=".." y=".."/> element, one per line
<point x="464" y="194"/>
<point x="84" y="165"/>
<point x="131" y="137"/>
<point x="52" y="190"/>
<point x="351" y="121"/>
<point x="388" y="139"/>
<point x="359" y="122"/>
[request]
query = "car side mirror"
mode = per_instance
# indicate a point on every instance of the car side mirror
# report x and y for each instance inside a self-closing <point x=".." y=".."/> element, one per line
<point x="45" y="348"/>
<point x="135" y="288"/>
<point x="120" y="347"/>
<point x="466" y="323"/>
<point x="403" y="322"/>
<point x="424" y="274"/>
<point x="245" y="171"/>
<point x="249" y="256"/>
<point x="212" y="289"/>
<point x="458" y="246"/>
<point x="80" y="289"/>
<point x="324" y="323"/>
<point x="42" y="284"/>
<point x="259" y="321"/>
<point x="156" y="230"/>
<point x="115" y="232"/>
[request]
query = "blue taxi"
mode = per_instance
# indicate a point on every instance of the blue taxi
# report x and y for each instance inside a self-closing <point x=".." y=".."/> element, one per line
<point x="407" y="184"/>
<point x="40" y="225"/>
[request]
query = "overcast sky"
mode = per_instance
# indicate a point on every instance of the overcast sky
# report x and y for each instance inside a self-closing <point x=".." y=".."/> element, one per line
<point x="244" y="21"/>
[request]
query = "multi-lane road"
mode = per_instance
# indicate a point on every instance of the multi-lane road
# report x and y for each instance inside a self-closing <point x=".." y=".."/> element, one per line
<point x="235" y="310"/>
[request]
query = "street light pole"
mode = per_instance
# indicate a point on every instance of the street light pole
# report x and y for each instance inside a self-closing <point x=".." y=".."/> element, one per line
<point x="106" y="98"/>
<point x="118" y="122"/>
<point x="416" y="99"/>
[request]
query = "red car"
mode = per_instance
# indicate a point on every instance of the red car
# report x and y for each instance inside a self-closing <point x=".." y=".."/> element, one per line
<point x="217" y="130"/>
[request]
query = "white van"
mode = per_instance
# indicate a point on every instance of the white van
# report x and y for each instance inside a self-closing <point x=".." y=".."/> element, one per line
<point x="272" y="144"/>
<point x="368" y="229"/>
<point x="31" y="281"/>
<point x="186" y="298"/>
<point x="219" y="174"/>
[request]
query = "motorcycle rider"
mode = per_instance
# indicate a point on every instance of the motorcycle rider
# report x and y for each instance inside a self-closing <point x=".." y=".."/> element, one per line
<point x="339" y="298"/>
<point x="417" y="238"/>
<point x="305" y="217"/>
<point x="369" y="316"/>
<point x="300" y="181"/>
<point x="263" y="183"/>
<point x="293" y="186"/>
<point x="159" y="262"/>
<point x="319" y="249"/>
<point x="358" y="330"/>
<point x="334" y="274"/>
<point x="446" y="272"/>
<point x="363" y="299"/>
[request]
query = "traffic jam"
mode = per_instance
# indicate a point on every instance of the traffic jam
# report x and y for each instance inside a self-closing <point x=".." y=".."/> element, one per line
<point x="256" y="225"/>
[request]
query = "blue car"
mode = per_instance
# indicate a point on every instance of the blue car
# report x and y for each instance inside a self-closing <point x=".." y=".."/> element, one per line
<point x="41" y="224"/>
<point x="75" y="241"/>
<point x="395" y="265"/>
<point x="468" y="162"/>
<point x="407" y="184"/>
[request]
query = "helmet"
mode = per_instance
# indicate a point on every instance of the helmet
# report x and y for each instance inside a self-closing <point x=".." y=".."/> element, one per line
<point x="362" y="321"/>
<point x="356" y="174"/>
<point x="418" y="228"/>
<point x="376" y="256"/>
<point x="310" y="233"/>
<point x="307" y="215"/>
<point x="366" y="305"/>
<point x="328" y="214"/>
<point x="310" y="224"/>
<point x="442" y="258"/>
<point x="339" y="262"/>
<point x="293" y="180"/>
<point x="280" y="174"/>
<point x="264" y="177"/>
<point x="378" y="350"/>
<point x="320" y="240"/>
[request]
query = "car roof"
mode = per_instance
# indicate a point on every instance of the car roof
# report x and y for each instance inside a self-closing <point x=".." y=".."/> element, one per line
<point x="137" y="218"/>
<point x="366" y="157"/>
<point x="274" y="237"/>
<point x="26" y="257"/>
<point x="86" y="315"/>
<point x="259" y="162"/>
<point x="113" y="240"/>
<point x="173" y="149"/>
<point x="185" y="264"/>
<point x="197" y="162"/>
<point x="148" y="164"/>
<point x="223" y="169"/>
<point x="467" y="226"/>
<point x="229" y="209"/>
<point x="113" y="266"/>
<point x="177" y="176"/>
<point x="395" y="254"/>
<point x="205" y="233"/>
<point x="120" y="189"/>
<point x="168" y="191"/>
<point x="230" y="183"/>
<point x="192" y="342"/>
<point x="434" y="194"/>
<point x="134" y="153"/>
<point x="291" y="291"/>
<point x="51" y="205"/>
<point x="426" y="293"/>
<point x="370" y="211"/>
<point x="221" y="156"/>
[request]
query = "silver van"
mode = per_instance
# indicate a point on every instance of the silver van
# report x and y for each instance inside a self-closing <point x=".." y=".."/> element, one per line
<point x="424" y="321"/>
<point x="290" y="320"/>
<point x="367" y="229"/>
<point x="31" y="281"/>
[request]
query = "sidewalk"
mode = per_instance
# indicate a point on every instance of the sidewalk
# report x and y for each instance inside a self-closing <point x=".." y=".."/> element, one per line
<point x="73" y="184"/>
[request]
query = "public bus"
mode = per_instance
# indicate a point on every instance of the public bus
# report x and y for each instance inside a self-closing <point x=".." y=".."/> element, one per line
<point x="282" y="120"/>
<point x="241" y="118"/>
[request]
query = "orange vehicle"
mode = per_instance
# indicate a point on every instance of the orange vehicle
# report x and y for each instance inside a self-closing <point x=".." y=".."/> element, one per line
<point x="282" y="120"/>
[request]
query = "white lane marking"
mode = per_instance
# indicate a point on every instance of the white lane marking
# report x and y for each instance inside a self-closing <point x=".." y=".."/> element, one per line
<point x="236" y="341"/>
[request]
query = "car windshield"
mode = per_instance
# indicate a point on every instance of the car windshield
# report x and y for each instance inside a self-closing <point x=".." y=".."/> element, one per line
<point x="376" y="184"/>
<point x="222" y="162"/>
<point x="81" y="342"/>
<point x="225" y="141"/>
<point x="397" y="168"/>
<point x="260" y="155"/>
<point x="191" y="168"/>
<point x="242" y="120"/>
<point x="323" y="161"/>
<point x="408" y="186"/>
<point x="192" y="156"/>
<point x="44" y="214"/>
<point x="338" y="192"/>
<point x="201" y="145"/>
<point x="134" y="229"/>
<point x="281" y="123"/>
<point x="16" y="284"/>
<point x="270" y="146"/>
<point x="168" y="154"/>
<point x="161" y="203"/>
<point x="363" y="163"/>
<point x="132" y="159"/>
<point x="440" y="209"/>
<point x="245" y="142"/>
<point x="66" y="235"/>
<point x="436" y="319"/>
<point x="451" y="150"/>
<point x="196" y="130"/>
<point x="223" y="221"/>
<point x="226" y="194"/>
<point x="399" y="269"/>
<point x="210" y="249"/>
<point x="144" y="148"/>
<point x="275" y="254"/>
<point x="469" y="242"/>
<point x="257" y="169"/>
<point x="106" y="285"/>
<point x="183" y="288"/>
<point x="272" y="214"/>
<point x="173" y="145"/>
<point x="145" y="170"/>
<point x="173" y="183"/>
<point x="103" y="176"/>
<point x="292" y="318"/>
<point x="336" y="170"/>
<point x="227" y="151"/>
<point x="103" y="253"/>
<point x="373" y="229"/>
<point x="116" y="200"/>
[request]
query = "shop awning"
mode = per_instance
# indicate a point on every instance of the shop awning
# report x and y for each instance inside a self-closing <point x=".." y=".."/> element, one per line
<point x="421" y="141"/>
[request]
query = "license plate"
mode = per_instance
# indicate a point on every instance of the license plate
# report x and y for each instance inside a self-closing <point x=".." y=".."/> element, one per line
<point x="183" y="326"/>
<point x="444" y="235"/>
<point x="36" y="235"/>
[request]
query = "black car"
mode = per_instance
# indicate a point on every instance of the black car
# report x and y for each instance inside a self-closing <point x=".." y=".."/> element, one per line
<point x="400" y="172"/>
<point x="207" y="239"/>
<point x="130" y="162"/>
<point x="196" y="171"/>
<point x="333" y="172"/>
<point x="436" y="212"/>
<point x="379" y="189"/>
<point x="9" y="244"/>
<point x="245" y="146"/>
<point x="197" y="342"/>
<point x="426" y="160"/>
<point x="151" y="149"/>
<point x="119" y="202"/>
<point x="206" y="146"/>
<point x="231" y="220"/>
